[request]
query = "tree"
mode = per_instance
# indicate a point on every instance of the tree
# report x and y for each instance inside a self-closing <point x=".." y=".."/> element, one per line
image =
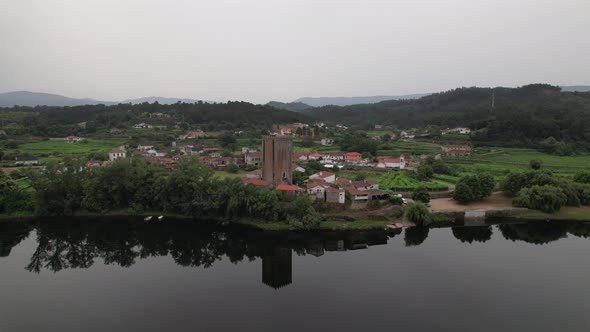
<point x="535" y="164"/>
<point x="421" y="194"/>
<point x="545" y="198"/>
<point x="463" y="193"/>
<point x="306" y="142"/>
<point x="232" y="168"/>
<point x="480" y="185"/>
<point x="418" y="213"/>
<point x="582" y="177"/>
<point x="424" y="172"/>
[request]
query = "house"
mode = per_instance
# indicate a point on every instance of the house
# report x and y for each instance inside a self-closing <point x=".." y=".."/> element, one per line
<point x="72" y="139"/>
<point x="358" y="195"/>
<point x="325" y="176"/>
<point x="378" y="126"/>
<point x="457" y="150"/>
<point x="315" y="156"/>
<point x="286" y="131"/>
<point x="26" y="161"/>
<point x="116" y="154"/>
<point x="255" y="174"/>
<point x="256" y="182"/>
<point x="246" y="150"/>
<point x="144" y="147"/>
<point x="365" y="184"/>
<point x="93" y="163"/>
<point x="142" y="126"/>
<point x="116" y="131"/>
<point x="210" y="151"/>
<point x="8" y="170"/>
<point x="333" y="157"/>
<point x="317" y="189"/>
<point x="297" y="168"/>
<point x="352" y="156"/>
<point x="300" y="156"/>
<point x="335" y="195"/>
<point x="388" y="162"/>
<point x="342" y="182"/>
<point x="327" y="142"/>
<point x="458" y="130"/>
<point x="253" y="158"/>
<point x="289" y="191"/>
<point x="196" y="134"/>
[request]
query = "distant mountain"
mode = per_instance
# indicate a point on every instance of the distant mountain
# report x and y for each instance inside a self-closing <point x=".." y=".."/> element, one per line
<point x="294" y="106"/>
<point x="576" y="88"/>
<point x="346" y="101"/>
<point x="27" y="98"/>
<point x="160" y="100"/>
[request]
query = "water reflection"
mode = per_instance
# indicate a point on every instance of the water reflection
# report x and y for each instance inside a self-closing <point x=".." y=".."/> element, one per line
<point x="78" y="244"/>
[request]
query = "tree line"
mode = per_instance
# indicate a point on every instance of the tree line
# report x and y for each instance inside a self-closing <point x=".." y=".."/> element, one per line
<point x="135" y="186"/>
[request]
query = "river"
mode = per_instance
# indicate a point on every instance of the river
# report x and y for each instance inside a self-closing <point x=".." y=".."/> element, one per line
<point x="122" y="275"/>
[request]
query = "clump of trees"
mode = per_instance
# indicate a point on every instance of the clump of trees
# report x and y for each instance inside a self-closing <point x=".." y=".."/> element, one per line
<point x="543" y="190"/>
<point x="191" y="189"/>
<point x="475" y="187"/>
<point x="421" y="194"/>
<point x="358" y="142"/>
<point x="545" y="198"/>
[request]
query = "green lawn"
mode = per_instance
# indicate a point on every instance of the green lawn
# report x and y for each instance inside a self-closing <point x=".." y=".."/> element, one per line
<point x="227" y="175"/>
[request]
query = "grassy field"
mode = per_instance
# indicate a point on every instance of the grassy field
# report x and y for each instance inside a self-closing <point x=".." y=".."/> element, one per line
<point x="500" y="161"/>
<point x="227" y="175"/>
<point x="62" y="148"/>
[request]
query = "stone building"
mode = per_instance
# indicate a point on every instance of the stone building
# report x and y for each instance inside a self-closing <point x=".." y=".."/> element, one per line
<point x="277" y="160"/>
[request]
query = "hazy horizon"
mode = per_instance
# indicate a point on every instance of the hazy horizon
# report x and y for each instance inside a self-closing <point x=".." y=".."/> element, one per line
<point x="283" y="50"/>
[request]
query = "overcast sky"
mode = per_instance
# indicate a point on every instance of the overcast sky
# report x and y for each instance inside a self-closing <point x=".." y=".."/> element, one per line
<point x="261" y="50"/>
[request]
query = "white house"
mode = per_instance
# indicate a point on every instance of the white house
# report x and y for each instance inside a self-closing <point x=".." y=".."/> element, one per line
<point x="327" y="142"/>
<point x="142" y="126"/>
<point x="73" y="139"/>
<point x="116" y="154"/>
<point x="327" y="177"/>
<point x="392" y="162"/>
<point x="26" y="161"/>
<point x="316" y="189"/>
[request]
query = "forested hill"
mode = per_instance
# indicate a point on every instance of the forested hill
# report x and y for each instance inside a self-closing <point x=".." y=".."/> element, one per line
<point x="59" y="121"/>
<point x="527" y="113"/>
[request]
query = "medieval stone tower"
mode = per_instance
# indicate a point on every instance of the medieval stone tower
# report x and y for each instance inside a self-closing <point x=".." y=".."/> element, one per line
<point x="276" y="160"/>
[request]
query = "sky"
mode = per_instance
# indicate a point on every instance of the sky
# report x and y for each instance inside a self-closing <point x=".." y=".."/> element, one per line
<point x="261" y="50"/>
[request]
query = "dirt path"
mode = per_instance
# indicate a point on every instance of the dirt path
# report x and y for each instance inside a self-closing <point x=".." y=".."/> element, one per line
<point x="497" y="201"/>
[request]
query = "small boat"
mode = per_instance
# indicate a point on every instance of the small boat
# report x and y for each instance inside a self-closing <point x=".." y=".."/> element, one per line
<point x="148" y="218"/>
<point x="160" y="218"/>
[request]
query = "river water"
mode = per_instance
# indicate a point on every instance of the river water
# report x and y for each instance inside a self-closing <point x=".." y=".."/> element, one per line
<point x="122" y="275"/>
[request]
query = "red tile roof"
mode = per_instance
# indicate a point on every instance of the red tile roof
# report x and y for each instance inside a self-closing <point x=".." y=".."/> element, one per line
<point x="354" y="191"/>
<point x="322" y="174"/>
<point x="333" y="190"/>
<point x="314" y="184"/>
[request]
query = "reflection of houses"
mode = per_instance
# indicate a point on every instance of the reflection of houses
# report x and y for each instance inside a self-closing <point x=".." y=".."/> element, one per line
<point x="277" y="268"/>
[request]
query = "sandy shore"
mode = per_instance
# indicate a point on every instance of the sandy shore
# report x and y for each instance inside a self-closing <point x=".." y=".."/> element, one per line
<point x="497" y="201"/>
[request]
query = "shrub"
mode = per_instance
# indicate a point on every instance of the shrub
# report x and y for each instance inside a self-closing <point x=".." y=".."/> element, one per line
<point x="420" y="194"/>
<point x="418" y="213"/>
<point x="424" y="172"/>
<point x="232" y="168"/>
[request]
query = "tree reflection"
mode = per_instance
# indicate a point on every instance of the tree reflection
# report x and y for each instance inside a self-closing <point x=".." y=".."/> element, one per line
<point x="415" y="236"/>
<point x="473" y="234"/>
<point x="535" y="232"/>
<point x="11" y="234"/>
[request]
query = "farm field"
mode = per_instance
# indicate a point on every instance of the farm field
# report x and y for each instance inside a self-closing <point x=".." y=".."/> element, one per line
<point x="500" y="161"/>
<point x="62" y="148"/>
